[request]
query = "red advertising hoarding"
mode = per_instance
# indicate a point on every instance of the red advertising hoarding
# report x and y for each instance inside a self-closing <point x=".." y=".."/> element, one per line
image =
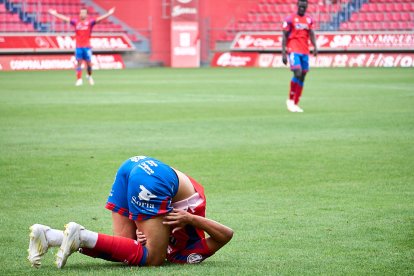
<point x="62" y="43"/>
<point x="185" y="37"/>
<point x="254" y="59"/>
<point x="385" y="41"/>
<point x="57" y="62"/>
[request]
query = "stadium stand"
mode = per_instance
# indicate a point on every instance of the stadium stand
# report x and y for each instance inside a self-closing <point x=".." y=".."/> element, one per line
<point x="380" y="15"/>
<point x="33" y="16"/>
<point x="345" y="15"/>
<point x="268" y="15"/>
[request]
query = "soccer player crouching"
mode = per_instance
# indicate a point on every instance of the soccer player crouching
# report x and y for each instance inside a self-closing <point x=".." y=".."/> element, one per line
<point x="158" y="214"/>
<point x="83" y="30"/>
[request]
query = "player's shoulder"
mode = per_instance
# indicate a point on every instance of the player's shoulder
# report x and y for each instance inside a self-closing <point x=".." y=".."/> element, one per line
<point x="289" y="18"/>
<point x="308" y="18"/>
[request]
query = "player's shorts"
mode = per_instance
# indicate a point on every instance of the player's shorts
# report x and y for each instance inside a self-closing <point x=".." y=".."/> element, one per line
<point x="188" y="244"/>
<point x="299" y="61"/>
<point x="84" y="53"/>
<point x="143" y="188"/>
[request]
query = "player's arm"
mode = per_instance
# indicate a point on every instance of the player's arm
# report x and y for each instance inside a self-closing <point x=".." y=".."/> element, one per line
<point x="105" y="16"/>
<point x="219" y="233"/>
<point x="313" y="41"/>
<point x="285" y="35"/>
<point x="58" y="15"/>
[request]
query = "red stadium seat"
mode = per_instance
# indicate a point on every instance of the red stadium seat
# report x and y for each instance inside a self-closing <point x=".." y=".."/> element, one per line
<point x="409" y="6"/>
<point x="398" y="7"/>
<point x="355" y="16"/>
<point x="251" y="17"/>
<point x="371" y="7"/>
<point x="394" y="25"/>
<point x="389" y="7"/>
<point x="344" y="26"/>
<point x="396" y="16"/>
<point x="312" y="8"/>
<point x="405" y="16"/>
<point x="370" y="17"/>
<point x="268" y="18"/>
<point x="380" y="7"/>
<point x="379" y="17"/>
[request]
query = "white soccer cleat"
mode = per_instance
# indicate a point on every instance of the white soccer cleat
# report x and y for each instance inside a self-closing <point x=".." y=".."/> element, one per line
<point x="91" y="82"/>
<point x="38" y="244"/>
<point x="290" y="105"/>
<point x="70" y="243"/>
<point x="298" y="109"/>
<point x="79" y="82"/>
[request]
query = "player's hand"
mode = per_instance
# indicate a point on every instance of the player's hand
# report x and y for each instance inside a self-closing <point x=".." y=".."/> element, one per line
<point x="141" y="238"/>
<point x="112" y="10"/>
<point x="284" y="59"/>
<point x="315" y="51"/>
<point x="52" y="12"/>
<point x="177" y="219"/>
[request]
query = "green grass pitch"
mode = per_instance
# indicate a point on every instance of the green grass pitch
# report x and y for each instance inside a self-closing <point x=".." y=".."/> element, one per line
<point x="329" y="191"/>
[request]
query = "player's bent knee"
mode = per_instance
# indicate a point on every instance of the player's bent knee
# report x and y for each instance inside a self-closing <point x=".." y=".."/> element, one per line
<point x="155" y="259"/>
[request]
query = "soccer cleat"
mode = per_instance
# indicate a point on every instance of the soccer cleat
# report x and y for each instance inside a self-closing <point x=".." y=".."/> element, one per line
<point x="38" y="244"/>
<point x="290" y="105"/>
<point x="70" y="243"/>
<point x="298" y="109"/>
<point x="91" y="82"/>
<point x="79" y="82"/>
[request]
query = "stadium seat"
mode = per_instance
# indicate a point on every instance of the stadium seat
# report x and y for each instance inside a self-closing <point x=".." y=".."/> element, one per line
<point x="379" y="17"/>
<point x="409" y="6"/>
<point x="396" y="16"/>
<point x="406" y="17"/>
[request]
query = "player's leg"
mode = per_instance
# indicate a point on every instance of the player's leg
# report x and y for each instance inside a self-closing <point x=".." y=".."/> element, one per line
<point x="97" y="245"/>
<point x="124" y="227"/>
<point x="295" y="67"/>
<point x="157" y="235"/>
<point x="301" y="77"/>
<point x="41" y="238"/>
<point x="118" y="203"/>
<point x="79" y="57"/>
<point x="88" y="60"/>
<point x="149" y="198"/>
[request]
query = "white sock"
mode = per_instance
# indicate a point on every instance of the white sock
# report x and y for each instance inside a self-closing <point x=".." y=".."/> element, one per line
<point x="88" y="238"/>
<point x="54" y="237"/>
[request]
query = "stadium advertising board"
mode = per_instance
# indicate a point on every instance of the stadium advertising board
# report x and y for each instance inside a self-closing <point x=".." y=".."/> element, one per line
<point x="185" y="37"/>
<point x="62" y="43"/>
<point x="57" y="62"/>
<point x="254" y="59"/>
<point x="272" y="41"/>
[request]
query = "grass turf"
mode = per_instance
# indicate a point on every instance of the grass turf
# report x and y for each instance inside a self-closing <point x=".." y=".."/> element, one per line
<point x="329" y="191"/>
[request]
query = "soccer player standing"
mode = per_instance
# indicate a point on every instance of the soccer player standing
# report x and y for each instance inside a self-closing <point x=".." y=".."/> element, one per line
<point x="83" y="29"/>
<point x="297" y="31"/>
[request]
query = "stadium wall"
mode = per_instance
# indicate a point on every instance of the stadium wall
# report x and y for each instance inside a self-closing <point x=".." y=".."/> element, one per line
<point x="336" y="49"/>
<point x="152" y="17"/>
